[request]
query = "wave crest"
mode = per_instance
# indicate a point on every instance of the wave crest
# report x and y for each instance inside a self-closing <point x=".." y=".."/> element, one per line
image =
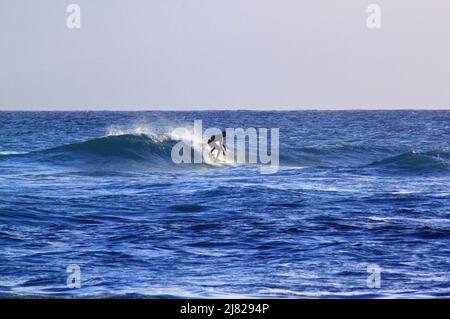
<point x="115" y="152"/>
<point x="138" y="147"/>
<point x="417" y="162"/>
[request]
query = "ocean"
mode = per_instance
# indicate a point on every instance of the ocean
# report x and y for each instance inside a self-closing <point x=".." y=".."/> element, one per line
<point x="359" y="207"/>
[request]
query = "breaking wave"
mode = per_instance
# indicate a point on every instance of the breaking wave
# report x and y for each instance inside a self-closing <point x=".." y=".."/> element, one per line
<point x="146" y="149"/>
<point x="126" y="150"/>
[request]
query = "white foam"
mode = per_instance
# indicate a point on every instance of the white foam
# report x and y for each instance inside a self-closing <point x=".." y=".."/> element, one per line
<point x="136" y="130"/>
<point x="11" y="153"/>
<point x="404" y="192"/>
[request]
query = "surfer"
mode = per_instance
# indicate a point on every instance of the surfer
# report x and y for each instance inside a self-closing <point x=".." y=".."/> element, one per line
<point x="216" y="143"/>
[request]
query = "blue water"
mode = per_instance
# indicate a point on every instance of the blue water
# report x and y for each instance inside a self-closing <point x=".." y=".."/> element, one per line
<point x="99" y="189"/>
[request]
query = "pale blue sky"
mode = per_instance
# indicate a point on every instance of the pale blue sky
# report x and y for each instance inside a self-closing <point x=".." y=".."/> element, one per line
<point x="224" y="54"/>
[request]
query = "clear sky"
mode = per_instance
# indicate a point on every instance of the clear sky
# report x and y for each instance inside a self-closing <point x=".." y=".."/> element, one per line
<point x="224" y="54"/>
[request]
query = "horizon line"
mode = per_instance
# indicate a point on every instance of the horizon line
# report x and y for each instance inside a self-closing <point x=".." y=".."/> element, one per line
<point x="229" y="110"/>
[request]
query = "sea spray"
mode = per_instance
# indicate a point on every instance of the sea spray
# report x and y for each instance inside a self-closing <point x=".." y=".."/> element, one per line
<point x="257" y="145"/>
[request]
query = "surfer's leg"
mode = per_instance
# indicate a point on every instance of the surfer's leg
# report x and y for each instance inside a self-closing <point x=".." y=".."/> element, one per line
<point x="218" y="152"/>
